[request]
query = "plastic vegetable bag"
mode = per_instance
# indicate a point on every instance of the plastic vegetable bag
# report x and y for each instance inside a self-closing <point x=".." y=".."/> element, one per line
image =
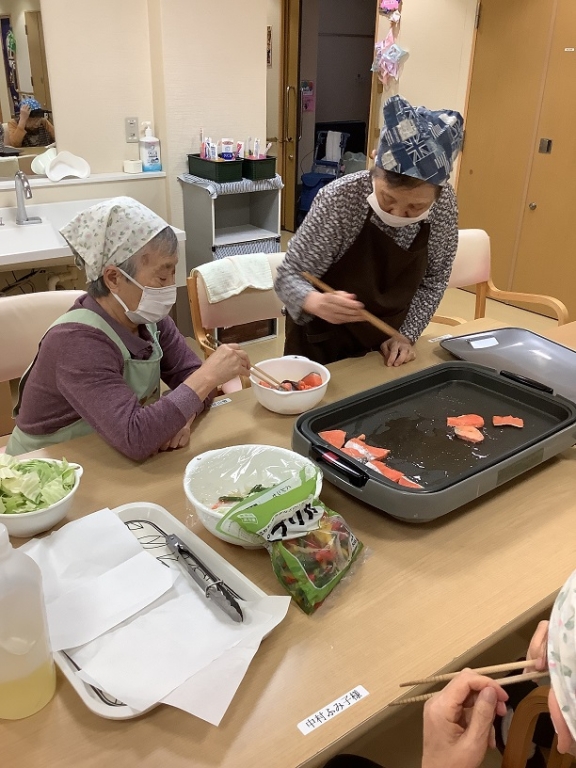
<point x="310" y="546"/>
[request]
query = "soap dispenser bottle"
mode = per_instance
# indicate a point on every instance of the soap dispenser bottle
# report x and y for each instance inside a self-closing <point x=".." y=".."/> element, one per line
<point x="150" y="150"/>
<point x="27" y="674"/>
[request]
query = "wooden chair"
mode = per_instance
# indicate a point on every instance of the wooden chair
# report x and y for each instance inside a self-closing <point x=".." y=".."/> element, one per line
<point x="522" y="731"/>
<point x="24" y="319"/>
<point x="472" y="267"/>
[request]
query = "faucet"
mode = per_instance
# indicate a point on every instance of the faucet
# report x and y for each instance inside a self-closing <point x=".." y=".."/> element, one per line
<point x="23" y="192"/>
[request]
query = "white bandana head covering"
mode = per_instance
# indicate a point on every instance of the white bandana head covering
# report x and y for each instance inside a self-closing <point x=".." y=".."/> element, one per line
<point x="562" y="652"/>
<point x="108" y="233"/>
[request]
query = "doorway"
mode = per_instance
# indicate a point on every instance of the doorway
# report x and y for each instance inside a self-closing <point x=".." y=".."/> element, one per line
<point x="324" y="83"/>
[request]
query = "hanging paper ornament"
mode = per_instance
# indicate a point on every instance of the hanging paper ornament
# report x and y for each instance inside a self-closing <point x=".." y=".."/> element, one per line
<point x="389" y="6"/>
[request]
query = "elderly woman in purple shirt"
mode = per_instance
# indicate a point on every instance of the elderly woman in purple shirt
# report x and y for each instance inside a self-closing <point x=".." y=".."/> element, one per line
<point x="100" y="365"/>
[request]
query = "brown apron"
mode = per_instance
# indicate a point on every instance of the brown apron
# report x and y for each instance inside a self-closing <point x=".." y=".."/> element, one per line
<point x="383" y="276"/>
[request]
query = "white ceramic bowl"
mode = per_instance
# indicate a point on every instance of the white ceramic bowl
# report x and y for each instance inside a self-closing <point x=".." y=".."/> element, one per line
<point x="294" y="368"/>
<point x="209" y="476"/>
<point x="31" y="523"/>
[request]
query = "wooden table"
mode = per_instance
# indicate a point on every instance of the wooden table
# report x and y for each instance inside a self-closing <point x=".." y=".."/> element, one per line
<point x="428" y="598"/>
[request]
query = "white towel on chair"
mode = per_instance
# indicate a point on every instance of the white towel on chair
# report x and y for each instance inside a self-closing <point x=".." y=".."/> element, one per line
<point x="230" y="276"/>
<point x="333" y="150"/>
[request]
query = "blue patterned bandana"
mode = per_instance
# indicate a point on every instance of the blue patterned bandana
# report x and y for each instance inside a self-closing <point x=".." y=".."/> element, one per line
<point x="32" y="103"/>
<point x="419" y="142"/>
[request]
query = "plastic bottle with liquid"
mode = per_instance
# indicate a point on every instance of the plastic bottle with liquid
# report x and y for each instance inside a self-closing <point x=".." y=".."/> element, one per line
<point x="27" y="674"/>
<point x="150" y="150"/>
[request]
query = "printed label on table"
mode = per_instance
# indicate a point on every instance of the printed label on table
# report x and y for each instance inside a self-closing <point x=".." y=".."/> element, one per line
<point x="440" y="338"/>
<point x="334" y="708"/>
<point x="484" y="343"/>
<point x="224" y="401"/>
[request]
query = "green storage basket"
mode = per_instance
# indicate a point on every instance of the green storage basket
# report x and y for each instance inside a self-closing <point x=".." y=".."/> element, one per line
<point x="257" y="170"/>
<point x="220" y="171"/>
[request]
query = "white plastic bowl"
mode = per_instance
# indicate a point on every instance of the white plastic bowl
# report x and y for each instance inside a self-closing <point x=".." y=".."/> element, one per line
<point x="294" y="368"/>
<point x="31" y="523"/>
<point x="209" y="476"/>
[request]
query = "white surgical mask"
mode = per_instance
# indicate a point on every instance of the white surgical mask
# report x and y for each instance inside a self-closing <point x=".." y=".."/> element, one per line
<point x="154" y="305"/>
<point x="390" y="219"/>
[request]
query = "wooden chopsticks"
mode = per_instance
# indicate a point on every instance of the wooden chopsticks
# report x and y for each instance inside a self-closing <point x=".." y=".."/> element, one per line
<point x="263" y="375"/>
<point x="498" y="668"/>
<point x="368" y="316"/>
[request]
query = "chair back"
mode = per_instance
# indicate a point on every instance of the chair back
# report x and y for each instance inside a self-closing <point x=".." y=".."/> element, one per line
<point x="524" y="720"/>
<point x="472" y="263"/>
<point x="24" y="320"/>
<point x="247" y="307"/>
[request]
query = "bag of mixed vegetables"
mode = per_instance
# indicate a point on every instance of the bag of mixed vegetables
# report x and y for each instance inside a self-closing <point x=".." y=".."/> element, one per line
<point x="311" y="547"/>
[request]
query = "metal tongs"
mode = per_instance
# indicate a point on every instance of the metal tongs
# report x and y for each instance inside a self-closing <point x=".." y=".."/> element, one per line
<point x="213" y="587"/>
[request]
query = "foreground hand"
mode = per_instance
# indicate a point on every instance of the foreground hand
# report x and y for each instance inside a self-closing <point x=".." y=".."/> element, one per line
<point x="24" y="115"/>
<point x="228" y="361"/>
<point x="539" y="648"/>
<point x="458" y="722"/>
<point x="397" y="351"/>
<point x="336" y="308"/>
<point x="180" y="439"/>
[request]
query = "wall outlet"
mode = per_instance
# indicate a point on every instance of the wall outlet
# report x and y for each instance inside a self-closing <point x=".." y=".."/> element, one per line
<point x="131" y="128"/>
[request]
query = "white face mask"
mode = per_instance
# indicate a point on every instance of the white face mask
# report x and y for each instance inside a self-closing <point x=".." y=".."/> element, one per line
<point x="389" y="218"/>
<point x="154" y="305"/>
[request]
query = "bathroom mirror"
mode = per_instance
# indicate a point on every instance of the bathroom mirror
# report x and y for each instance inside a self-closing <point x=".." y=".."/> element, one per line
<point x="24" y="75"/>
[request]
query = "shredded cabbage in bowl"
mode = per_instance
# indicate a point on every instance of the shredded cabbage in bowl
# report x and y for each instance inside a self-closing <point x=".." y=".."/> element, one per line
<point x="33" y="484"/>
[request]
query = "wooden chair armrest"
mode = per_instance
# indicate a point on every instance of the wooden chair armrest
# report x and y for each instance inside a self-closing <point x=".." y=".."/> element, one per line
<point x="556" y="305"/>
<point x="448" y="320"/>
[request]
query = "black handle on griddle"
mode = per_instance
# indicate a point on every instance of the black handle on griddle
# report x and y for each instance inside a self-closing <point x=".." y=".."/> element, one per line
<point x="528" y="382"/>
<point x="351" y="473"/>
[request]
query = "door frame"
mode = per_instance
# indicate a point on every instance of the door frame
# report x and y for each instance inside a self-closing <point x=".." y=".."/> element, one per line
<point x="288" y="117"/>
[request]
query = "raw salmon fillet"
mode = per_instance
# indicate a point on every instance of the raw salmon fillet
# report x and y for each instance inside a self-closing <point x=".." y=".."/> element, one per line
<point x="407" y="483"/>
<point x="367" y="451"/>
<point x="468" y="420"/>
<point x="350" y="450"/>
<point x="507" y="421"/>
<point x="470" y="434"/>
<point x="391" y="474"/>
<point x="336" y="437"/>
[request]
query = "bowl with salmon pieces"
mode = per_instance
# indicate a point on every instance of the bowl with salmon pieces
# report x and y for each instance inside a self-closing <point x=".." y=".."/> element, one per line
<point x="304" y="384"/>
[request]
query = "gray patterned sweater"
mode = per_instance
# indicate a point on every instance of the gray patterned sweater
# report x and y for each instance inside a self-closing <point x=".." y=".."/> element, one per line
<point x="333" y="224"/>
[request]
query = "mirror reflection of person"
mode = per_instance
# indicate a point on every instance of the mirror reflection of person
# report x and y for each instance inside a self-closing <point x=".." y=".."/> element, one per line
<point x="31" y="129"/>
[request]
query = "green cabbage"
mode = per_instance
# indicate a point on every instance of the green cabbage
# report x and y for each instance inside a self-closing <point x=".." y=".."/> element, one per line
<point x="26" y="486"/>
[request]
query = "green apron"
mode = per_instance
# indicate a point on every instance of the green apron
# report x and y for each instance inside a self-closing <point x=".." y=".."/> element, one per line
<point x="142" y="376"/>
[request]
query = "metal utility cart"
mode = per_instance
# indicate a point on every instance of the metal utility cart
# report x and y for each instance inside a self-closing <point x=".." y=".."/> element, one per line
<point x="230" y="218"/>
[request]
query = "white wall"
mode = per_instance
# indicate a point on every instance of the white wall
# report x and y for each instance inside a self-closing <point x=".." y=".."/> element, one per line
<point x="207" y="75"/>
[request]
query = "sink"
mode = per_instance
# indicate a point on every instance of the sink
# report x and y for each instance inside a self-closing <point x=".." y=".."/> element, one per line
<point x="38" y="238"/>
<point x="42" y="245"/>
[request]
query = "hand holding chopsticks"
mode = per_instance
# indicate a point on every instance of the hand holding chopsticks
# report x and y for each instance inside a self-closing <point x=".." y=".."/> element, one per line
<point x="368" y="316"/>
<point x="263" y="375"/>
<point x="497" y="669"/>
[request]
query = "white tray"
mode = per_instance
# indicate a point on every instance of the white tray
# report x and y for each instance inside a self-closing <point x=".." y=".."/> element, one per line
<point x="97" y="701"/>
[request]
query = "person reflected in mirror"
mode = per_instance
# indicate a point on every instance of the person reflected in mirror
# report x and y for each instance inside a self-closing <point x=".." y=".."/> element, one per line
<point x="32" y="128"/>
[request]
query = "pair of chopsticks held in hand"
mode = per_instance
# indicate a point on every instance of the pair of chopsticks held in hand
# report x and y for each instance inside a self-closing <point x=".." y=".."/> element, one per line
<point x="214" y="343"/>
<point x="368" y="316"/>
<point x="497" y="669"/>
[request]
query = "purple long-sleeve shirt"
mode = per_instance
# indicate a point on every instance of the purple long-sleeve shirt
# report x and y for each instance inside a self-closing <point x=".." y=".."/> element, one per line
<point x="78" y="374"/>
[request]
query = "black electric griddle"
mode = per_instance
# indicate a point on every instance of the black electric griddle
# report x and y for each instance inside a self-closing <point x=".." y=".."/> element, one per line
<point x="408" y="416"/>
